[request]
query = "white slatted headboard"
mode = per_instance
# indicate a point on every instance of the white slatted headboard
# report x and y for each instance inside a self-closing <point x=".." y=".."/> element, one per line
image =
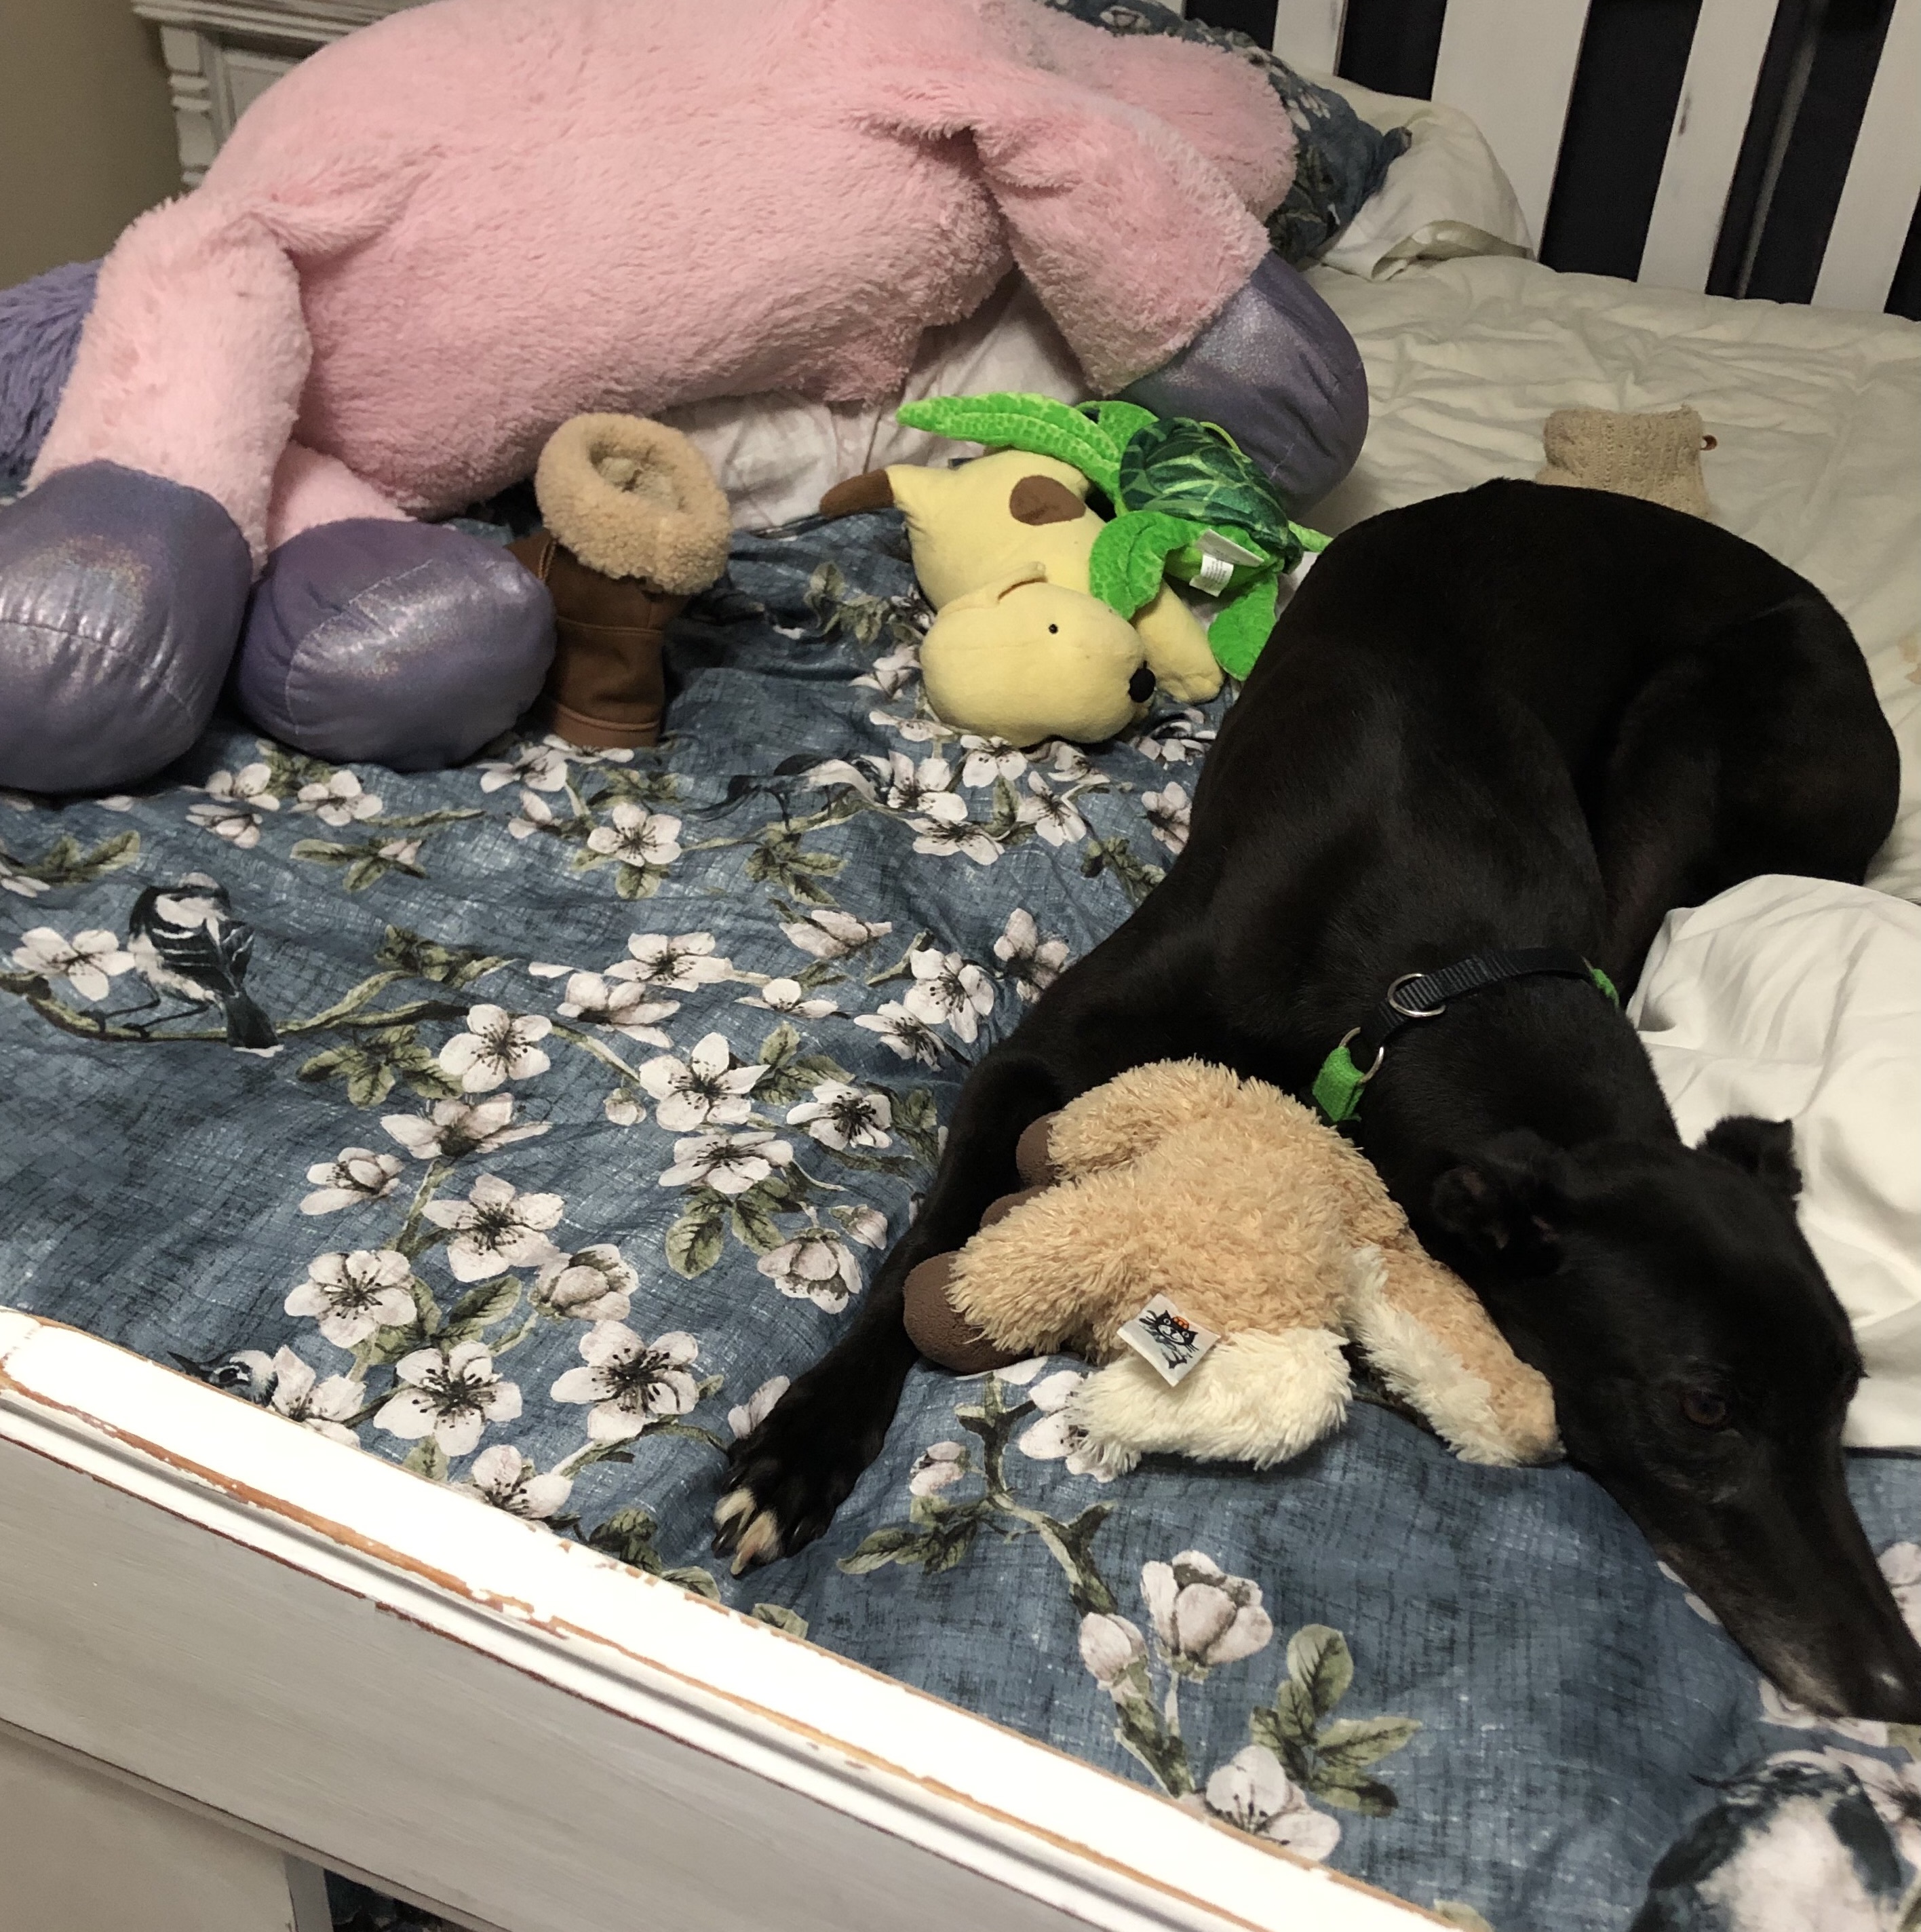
<point x="1513" y="65"/>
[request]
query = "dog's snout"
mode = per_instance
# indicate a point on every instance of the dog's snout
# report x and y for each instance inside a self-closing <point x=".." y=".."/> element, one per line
<point x="1141" y="686"/>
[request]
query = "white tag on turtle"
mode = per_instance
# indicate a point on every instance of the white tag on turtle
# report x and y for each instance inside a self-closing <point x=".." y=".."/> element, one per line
<point x="1219" y="554"/>
<point x="1164" y="1337"/>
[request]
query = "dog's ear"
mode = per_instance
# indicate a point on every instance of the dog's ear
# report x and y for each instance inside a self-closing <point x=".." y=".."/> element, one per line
<point x="1763" y="1148"/>
<point x="1503" y="1200"/>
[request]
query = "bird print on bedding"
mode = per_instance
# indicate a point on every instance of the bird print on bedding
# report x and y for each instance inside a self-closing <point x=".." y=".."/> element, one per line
<point x="186" y="943"/>
<point x="580" y="1094"/>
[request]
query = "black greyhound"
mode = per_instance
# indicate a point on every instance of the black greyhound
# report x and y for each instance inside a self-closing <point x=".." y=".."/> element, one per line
<point x="1517" y="718"/>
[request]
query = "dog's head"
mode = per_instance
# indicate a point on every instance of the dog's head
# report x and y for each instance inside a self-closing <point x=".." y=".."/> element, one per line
<point x="1702" y="1370"/>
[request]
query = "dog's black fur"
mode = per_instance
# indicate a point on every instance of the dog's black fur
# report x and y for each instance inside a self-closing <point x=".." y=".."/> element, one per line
<point x="1519" y="716"/>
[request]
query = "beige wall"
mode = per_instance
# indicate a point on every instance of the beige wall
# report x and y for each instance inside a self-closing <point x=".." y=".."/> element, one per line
<point x="86" y="135"/>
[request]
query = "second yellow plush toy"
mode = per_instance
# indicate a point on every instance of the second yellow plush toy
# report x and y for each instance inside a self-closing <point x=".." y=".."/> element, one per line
<point x="1020" y="649"/>
<point x="1181" y="1197"/>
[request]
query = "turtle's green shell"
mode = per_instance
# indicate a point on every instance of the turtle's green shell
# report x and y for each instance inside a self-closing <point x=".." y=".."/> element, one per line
<point x="1182" y="468"/>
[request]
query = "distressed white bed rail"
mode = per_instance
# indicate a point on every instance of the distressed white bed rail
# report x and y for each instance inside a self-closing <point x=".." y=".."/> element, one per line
<point x="465" y="1709"/>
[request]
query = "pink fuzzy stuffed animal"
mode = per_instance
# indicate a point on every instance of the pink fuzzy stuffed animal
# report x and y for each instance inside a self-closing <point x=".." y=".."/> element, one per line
<point x="436" y="240"/>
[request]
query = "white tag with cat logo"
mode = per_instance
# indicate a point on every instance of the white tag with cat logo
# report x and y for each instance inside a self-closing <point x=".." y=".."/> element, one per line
<point x="1164" y="1337"/>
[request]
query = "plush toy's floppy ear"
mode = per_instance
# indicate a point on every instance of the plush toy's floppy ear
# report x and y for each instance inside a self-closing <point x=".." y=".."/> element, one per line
<point x="1504" y="1200"/>
<point x="1763" y="1148"/>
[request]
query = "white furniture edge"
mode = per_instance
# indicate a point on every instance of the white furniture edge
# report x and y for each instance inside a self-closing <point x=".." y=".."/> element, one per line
<point x="186" y="1597"/>
<point x="1704" y="144"/>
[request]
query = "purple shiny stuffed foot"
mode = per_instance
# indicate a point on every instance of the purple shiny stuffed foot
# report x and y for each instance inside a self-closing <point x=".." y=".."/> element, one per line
<point x="120" y="600"/>
<point x="1277" y="371"/>
<point x="404" y="644"/>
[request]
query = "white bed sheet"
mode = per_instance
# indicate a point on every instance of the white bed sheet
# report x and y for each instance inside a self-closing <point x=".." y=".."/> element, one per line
<point x="1818" y="412"/>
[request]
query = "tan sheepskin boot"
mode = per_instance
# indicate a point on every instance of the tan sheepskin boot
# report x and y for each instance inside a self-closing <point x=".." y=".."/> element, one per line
<point x="1656" y="457"/>
<point x="635" y="525"/>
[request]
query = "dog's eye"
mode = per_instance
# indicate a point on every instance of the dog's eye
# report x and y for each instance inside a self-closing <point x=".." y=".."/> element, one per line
<point x="1704" y="1408"/>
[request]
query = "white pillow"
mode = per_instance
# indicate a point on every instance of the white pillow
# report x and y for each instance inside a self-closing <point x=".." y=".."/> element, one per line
<point x="1800" y="999"/>
<point x="1446" y="196"/>
<point x="777" y="454"/>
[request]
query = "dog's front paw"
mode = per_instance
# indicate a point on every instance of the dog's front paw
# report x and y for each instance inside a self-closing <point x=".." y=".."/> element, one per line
<point x="785" y="1479"/>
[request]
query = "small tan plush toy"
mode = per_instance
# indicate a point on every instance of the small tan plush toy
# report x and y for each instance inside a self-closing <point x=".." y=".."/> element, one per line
<point x="1243" y="1215"/>
<point x="1656" y="457"/>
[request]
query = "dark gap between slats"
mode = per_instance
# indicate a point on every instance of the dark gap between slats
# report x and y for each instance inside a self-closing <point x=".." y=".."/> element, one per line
<point x="1787" y="259"/>
<point x="1253" y="18"/>
<point x="1627" y="85"/>
<point x="1904" y="297"/>
<point x="1392" y="45"/>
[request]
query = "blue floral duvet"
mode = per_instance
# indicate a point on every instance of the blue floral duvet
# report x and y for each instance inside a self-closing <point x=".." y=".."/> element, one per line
<point x="592" y="1088"/>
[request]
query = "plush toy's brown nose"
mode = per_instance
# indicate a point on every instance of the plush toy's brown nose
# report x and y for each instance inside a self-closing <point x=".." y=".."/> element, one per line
<point x="1140" y="685"/>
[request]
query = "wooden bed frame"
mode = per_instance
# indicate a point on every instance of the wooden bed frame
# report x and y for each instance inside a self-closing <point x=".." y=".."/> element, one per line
<point x="233" y="1653"/>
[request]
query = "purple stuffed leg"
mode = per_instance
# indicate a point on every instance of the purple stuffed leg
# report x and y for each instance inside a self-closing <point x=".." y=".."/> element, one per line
<point x="401" y="643"/>
<point x="121" y="596"/>
<point x="1277" y="371"/>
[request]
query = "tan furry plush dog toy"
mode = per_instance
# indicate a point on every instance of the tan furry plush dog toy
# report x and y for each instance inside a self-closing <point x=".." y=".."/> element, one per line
<point x="1214" y="1246"/>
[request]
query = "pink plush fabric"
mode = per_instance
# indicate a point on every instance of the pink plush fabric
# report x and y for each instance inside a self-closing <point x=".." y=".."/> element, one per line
<point x="449" y="233"/>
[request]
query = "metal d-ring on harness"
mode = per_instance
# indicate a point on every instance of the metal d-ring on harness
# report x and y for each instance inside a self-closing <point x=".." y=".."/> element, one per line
<point x="1424" y="996"/>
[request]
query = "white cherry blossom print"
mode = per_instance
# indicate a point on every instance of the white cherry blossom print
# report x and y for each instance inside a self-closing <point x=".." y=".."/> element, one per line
<point x="1203" y="1617"/>
<point x="705" y="1090"/>
<point x="623" y="1005"/>
<point x="354" y="1175"/>
<point x="748" y="1417"/>
<point x="1168" y="815"/>
<point x="730" y="1163"/>
<point x="637" y="837"/>
<point x="789" y="996"/>
<point x="839" y="1117"/>
<point x="352" y="1294"/>
<point x="496" y="1227"/>
<point x="593" y="1284"/>
<point x="631" y="1384"/>
<point x="1112" y="1648"/>
<point x="926" y="788"/>
<point x="937" y="1466"/>
<point x="1176" y="738"/>
<point x="402" y="852"/>
<point x="456" y="1128"/>
<point x="338" y="800"/>
<point x="950" y="990"/>
<point x="1053" y="815"/>
<point x="943" y="839"/>
<point x="829" y="934"/>
<point x="892" y="674"/>
<point x="542" y="766"/>
<point x="1051" y="1437"/>
<point x="1031" y="963"/>
<point x="815" y="1266"/>
<point x="497" y="1046"/>
<point x="904" y="1033"/>
<point x="866" y="1226"/>
<point x="988" y="759"/>
<point x="681" y="962"/>
<point x="1253" y="1791"/>
<point x="509" y="1480"/>
<point x="87" y="962"/>
<point x="297" y="1393"/>
<point x="451" y="1397"/>
<point x="536" y="814"/>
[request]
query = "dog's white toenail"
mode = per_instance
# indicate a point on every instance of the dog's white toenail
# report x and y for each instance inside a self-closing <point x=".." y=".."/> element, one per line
<point x="734" y="1503"/>
<point x="763" y="1533"/>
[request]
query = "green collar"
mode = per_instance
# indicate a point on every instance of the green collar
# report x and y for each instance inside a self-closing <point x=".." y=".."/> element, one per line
<point x="1424" y="996"/>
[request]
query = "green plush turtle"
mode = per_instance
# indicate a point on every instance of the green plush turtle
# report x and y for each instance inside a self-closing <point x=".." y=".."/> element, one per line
<point x="1188" y="504"/>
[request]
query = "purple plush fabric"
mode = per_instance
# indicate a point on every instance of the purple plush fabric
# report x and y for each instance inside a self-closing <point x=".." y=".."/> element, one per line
<point x="40" y="328"/>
